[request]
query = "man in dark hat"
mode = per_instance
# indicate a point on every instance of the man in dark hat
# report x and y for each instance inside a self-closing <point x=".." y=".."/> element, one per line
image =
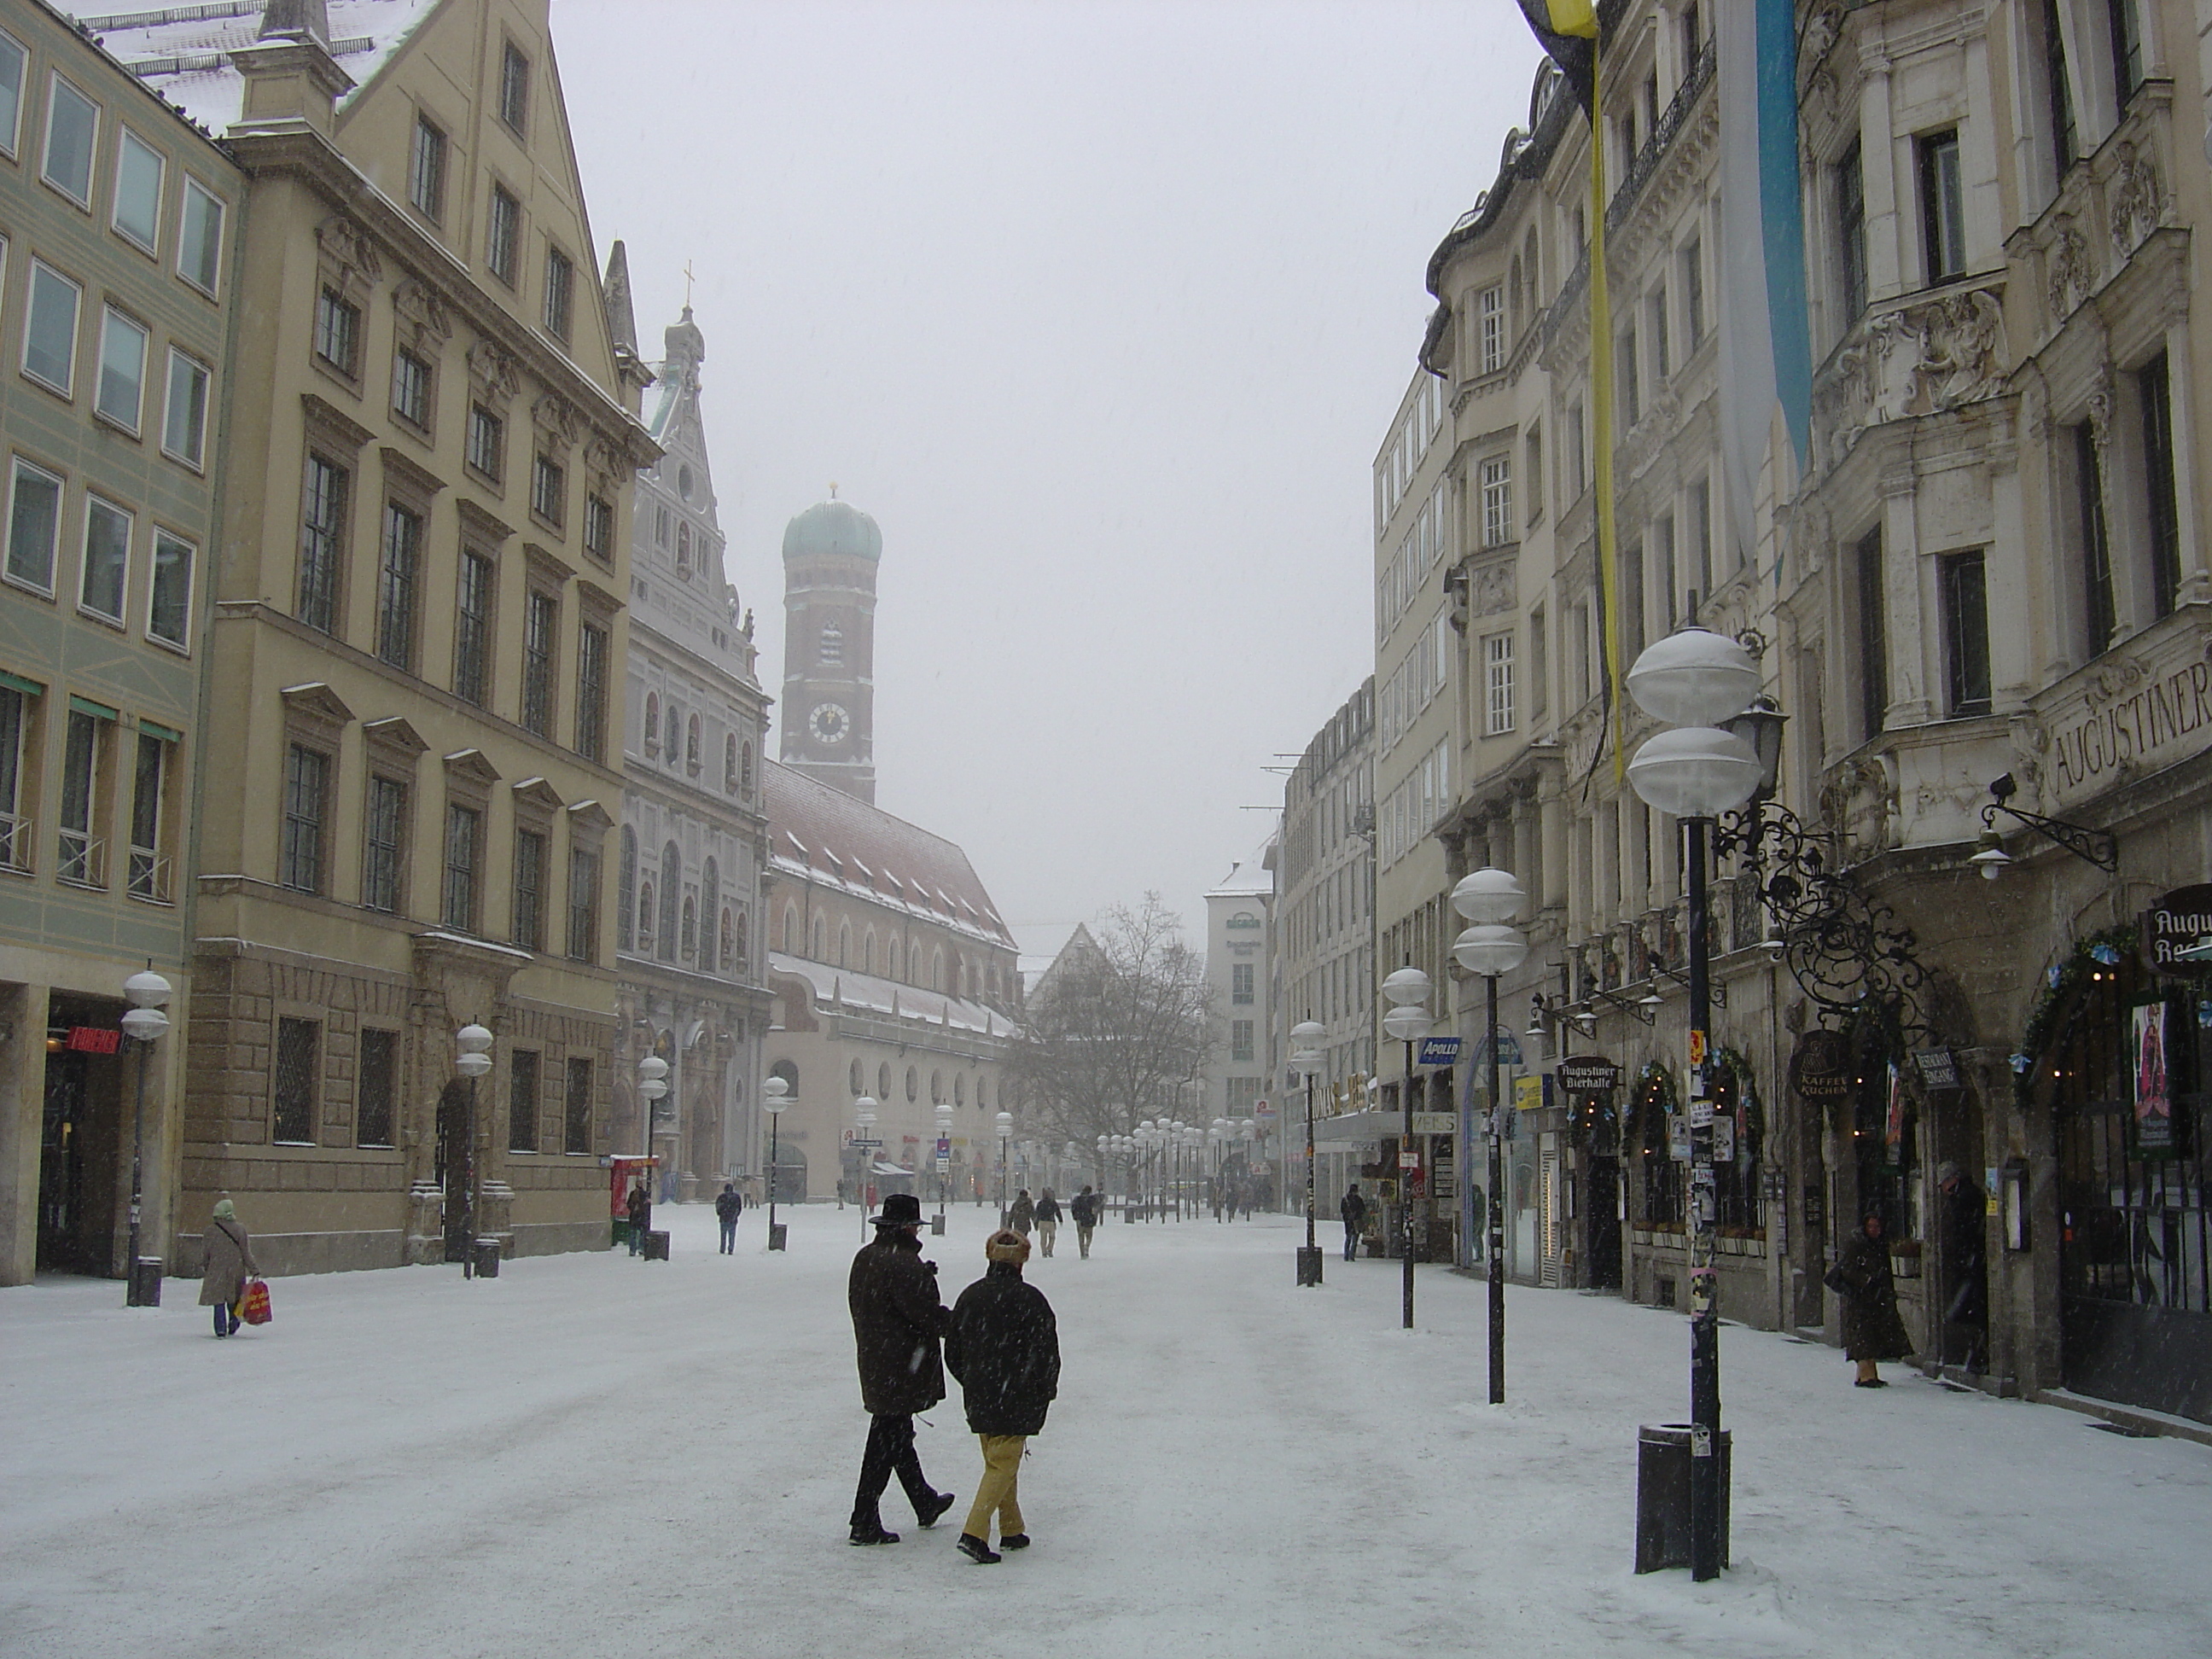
<point x="897" y="1319"/>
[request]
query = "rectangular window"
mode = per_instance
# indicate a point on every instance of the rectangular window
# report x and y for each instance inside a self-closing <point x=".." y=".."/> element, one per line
<point x="383" y="844"/>
<point x="15" y="716"/>
<point x="583" y="906"/>
<point x="576" y="1114"/>
<point x="522" y="1100"/>
<point x="184" y="427"/>
<point x="34" y="526"/>
<point x="549" y="490"/>
<point x="1539" y="663"/>
<point x="397" y="573"/>
<point x="298" y="1042"/>
<point x="599" y="528"/>
<point x="1497" y="710"/>
<point x="1942" y="207"/>
<point x="591" y="692"/>
<point x="1497" y="476"/>
<point x="529" y="890"/>
<point x="1632" y="635"/>
<point x="2165" y="507"/>
<point x="487" y="442"/>
<point x="1240" y="1041"/>
<point x="106" y="558"/>
<point x="200" y="237"/>
<point x="560" y="293"/>
<point x="426" y="170"/>
<point x="410" y="389"/>
<point x="307" y="805"/>
<point x="2098" y="612"/>
<point x="150" y="871"/>
<point x="1535" y="473"/>
<point x="49" y="329"/>
<point x="83" y="860"/>
<point x="2126" y="31"/>
<point x="72" y="135"/>
<point x="1655" y="320"/>
<point x="337" y="330"/>
<point x="1662" y="557"/>
<point x="1692" y="262"/>
<point x="1577" y="453"/>
<point x="1965" y="632"/>
<point x="169" y="605"/>
<point x="503" y="233"/>
<point x="1700" y="502"/>
<point x="515" y="88"/>
<point x="540" y="638"/>
<point x="2058" y="91"/>
<point x="322" y="543"/>
<point x="1631" y="388"/>
<point x="472" y="628"/>
<point x="122" y="397"/>
<point x="1240" y="983"/>
<point x="138" y="170"/>
<point x="1850" y="185"/>
<point x="458" y="905"/>
<point x="1873" y="638"/>
<point x="378" y="1087"/>
<point x="1489" y="309"/>
<point x="13" y="61"/>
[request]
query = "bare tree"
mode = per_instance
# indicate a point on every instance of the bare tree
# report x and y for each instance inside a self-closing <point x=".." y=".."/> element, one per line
<point x="1117" y="1029"/>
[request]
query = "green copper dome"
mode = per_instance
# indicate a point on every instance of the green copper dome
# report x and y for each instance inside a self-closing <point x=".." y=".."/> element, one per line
<point x="834" y="529"/>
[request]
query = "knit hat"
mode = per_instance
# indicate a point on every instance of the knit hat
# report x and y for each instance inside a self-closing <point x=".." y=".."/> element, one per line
<point x="1947" y="1170"/>
<point x="1006" y="1245"/>
<point x="225" y="1210"/>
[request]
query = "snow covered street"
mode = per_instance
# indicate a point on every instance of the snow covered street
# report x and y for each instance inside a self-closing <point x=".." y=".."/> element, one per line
<point x="593" y="1455"/>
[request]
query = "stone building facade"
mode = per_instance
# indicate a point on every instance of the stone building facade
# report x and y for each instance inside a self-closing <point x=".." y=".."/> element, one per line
<point x="120" y="227"/>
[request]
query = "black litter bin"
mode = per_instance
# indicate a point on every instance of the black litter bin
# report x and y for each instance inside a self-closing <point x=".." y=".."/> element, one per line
<point x="1663" y="1496"/>
<point x="777" y="1233"/>
<point x="144" y="1289"/>
<point x="1309" y="1264"/>
<point x="486" y="1263"/>
<point x="656" y="1246"/>
<point x="937" y="1226"/>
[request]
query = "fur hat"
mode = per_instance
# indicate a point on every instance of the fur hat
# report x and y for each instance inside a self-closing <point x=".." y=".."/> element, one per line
<point x="1006" y="1245"/>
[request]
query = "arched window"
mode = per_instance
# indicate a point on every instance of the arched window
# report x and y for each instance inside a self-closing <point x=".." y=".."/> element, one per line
<point x="859" y="1079"/>
<point x="884" y="1081"/>
<point x="959" y="1089"/>
<point x="868" y="952"/>
<point x="936" y="1087"/>
<point x="645" y="917"/>
<point x="675" y="736"/>
<point x="832" y="651"/>
<point x="691" y="747"/>
<point x="891" y="958"/>
<point x="788" y="1072"/>
<point x="729" y="763"/>
<point x="936" y="972"/>
<point x="844" y="944"/>
<point x="683" y="550"/>
<point x="821" y="940"/>
<point x="994" y="985"/>
<point x="913" y="1083"/>
<point x="672" y="884"/>
<point x="746" y="772"/>
<point x="710" y="905"/>
<point x="626" y="889"/>
<point x="791" y="930"/>
<point x="652" y="722"/>
<point x="732" y="953"/>
<point x="979" y="1093"/>
<point x="690" y="928"/>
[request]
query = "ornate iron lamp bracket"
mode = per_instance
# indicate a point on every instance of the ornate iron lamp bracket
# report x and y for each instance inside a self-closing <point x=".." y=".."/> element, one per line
<point x="2092" y="846"/>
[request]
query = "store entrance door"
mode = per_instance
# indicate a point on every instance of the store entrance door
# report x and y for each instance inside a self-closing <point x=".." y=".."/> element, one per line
<point x="62" y="1144"/>
<point x="1601" y="1202"/>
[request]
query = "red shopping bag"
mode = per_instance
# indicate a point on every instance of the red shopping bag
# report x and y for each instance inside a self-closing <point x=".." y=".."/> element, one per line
<point x="253" y="1304"/>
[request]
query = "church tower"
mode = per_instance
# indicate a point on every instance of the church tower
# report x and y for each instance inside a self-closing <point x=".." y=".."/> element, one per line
<point x="829" y="557"/>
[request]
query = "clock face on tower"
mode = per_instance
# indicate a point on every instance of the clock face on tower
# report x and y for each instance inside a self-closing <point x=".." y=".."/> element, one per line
<point x="828" y="723"/>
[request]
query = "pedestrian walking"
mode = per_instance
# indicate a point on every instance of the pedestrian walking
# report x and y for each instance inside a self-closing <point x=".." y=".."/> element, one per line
<point x="728" y="1207"/>
<point x="1022" y="1216"/>
<point x="1965" y="1314"/>
<point x="640" y="1215"/>
<point x="1872" y="1330"/>
<point x="1353" y="1210"/>
<point x="1047" y="1223"/>
<point x="230" y="1264"/>
<point x="1083" y="1210"/>
<point x="897" y="1322"/>
<point x="1003" y="1346"/>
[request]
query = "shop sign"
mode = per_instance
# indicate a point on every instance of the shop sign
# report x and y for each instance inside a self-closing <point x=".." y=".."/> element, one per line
<point x="1409" y="1160"/>
<point x="1939" y="1068"/>
<point x="1438" y="1051"/>
<point x="2153" y="1088"/>
<point x="2090" y="741"/>
<point x="2180" y="920"/>
<point x="1820" y="1068"/>
<point x="1435" y="1123"/>
<point x="1589" y="1074"/>
<point x="92" y="1040"/>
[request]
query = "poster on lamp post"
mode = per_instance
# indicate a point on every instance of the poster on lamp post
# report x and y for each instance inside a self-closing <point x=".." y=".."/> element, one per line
<point x="2154" y="1088"/>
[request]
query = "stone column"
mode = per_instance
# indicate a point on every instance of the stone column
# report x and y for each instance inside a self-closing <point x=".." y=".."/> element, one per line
<point x="23" y="1108"/>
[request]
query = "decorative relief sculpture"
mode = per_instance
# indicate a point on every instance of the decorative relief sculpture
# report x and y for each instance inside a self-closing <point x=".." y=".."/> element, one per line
<point x="2137" y="207"/>
<point x="422" y="313"/>
<point x="1915" y="360"/>
<point x="492" y="373"/>
<point x="556" y="418"/>
<point x="2069" y="275"/>
<point x="346" y="249"/>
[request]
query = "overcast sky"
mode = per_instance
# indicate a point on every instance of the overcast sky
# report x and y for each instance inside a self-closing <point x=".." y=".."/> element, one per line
<point x="1101" y="310"/>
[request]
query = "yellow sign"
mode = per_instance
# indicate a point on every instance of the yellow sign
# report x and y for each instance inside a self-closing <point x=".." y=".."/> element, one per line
<point x="1528" y="1094"/>
<point x="1697" y="1047"/>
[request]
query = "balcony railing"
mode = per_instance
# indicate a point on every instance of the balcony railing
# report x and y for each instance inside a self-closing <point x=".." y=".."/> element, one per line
<point x="83" y="860"/>
<point x="149" y="876"/>
<point x="15" y="841"/>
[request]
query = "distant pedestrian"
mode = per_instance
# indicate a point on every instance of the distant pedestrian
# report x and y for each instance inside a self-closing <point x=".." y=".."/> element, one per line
<point x="1872" y="1330"/>
<point x="1353" y="1210"/>
<point x="640" y="1215"/>
<point x="1047" y="1223"/>
<point x="897" y="1319"/>
<point x="230" y="1264"/>
<point x="1003" y="1346"/>
<point x="1022" y="1216"/>
<point x="1247" y="1191"/>
<point x="1083" y="1210"/>
<point x="728" y="1207"/>
<point x="1965" y="1313"/>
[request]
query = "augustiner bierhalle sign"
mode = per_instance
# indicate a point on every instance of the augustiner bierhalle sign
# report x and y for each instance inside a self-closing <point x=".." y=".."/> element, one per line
<point x="1589" y="1074"/>
<point x="2181" y="919"/>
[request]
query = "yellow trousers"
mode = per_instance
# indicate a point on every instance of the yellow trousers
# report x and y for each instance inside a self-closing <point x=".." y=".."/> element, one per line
<point x="1002" y="1470"/>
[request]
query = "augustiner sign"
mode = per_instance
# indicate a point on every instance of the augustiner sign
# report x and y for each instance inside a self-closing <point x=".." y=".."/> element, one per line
<point x="2134" y="711"/>
<point x="2178" y="920"/>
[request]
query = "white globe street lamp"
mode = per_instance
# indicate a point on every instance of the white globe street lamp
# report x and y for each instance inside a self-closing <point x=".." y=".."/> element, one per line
<point x="775" y="1098"/>
<point x="1306" y="1039"/>
<point x="1005" y="1125"/>
<point x="1490" y="949"/>
<point x="472" y="1059"/>
<point x="145" y="1023"/>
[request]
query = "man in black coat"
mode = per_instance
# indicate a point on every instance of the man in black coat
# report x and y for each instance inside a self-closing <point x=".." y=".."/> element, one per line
<point x="897" y="1319"/>
<point x="640" y="1216"/>
<point x="1004" y="1347"/>
<point x="728" y="1207"/>
<point x="1353" y="1210"/>
<point x="1083" y="1208"/>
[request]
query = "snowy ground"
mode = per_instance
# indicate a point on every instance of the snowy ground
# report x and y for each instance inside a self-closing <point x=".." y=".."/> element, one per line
<point x="597" y="1456"/>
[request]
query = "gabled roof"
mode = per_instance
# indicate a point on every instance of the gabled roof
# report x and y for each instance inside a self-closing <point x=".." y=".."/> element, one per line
<point x="828" y="836"/>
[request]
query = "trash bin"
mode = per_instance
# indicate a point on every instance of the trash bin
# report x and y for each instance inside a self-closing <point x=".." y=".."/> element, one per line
<point x="145" y="1287"/>
<point x="937" y="1226"/>
<point x="656" y="1246"/>
<point x="621" y="1234"/>
<point x="487" y="1258"/>
<point x="1309" y="1264"/>
<point x="776" y="1233"/>
<point x="1663" y="1496"/>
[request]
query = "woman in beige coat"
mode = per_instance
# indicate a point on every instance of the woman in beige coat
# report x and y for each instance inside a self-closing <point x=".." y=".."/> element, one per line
<point x="229" y="1264"/>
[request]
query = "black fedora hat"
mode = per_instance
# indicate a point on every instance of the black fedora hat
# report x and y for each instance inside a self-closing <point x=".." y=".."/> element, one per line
<point x="900" y="1210"/>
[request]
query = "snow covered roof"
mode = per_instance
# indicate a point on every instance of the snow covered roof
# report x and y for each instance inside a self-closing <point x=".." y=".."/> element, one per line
<point x="183" y="52"/>
<point x="837" y="988"/>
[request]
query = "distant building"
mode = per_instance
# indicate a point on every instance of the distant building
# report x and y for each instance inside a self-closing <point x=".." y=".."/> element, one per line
<point x="1234" y="1082"/>
<point x="829" y="557"/>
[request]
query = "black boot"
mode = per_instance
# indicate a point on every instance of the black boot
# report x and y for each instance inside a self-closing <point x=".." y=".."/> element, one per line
<point x="928" y="1515"/>
<point x="873" y="1534"/>
<point x="976" y="1550"/>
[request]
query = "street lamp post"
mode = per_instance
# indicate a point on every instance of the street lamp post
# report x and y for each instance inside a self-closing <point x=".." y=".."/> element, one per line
<point x="1695" y="681"/>
<point x="473" y="1061"/>
<point x="145" y="1021"/>
<point x="1490" y="898"/>
<point x="1306" y="1038"/>
<point x="864" y="1122"/>
<point x="944" y="1156"/>
<point x="1409" y="1021"/>
<point x="1005" y="1124"/>
<point x="775" y="1096"/>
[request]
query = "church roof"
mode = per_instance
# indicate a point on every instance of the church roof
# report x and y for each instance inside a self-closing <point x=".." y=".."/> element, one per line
<point x="828" y="836"/>
<point x="832" y="527"/>
<point x="183" y="52"/>
<point x="871" y="993"/>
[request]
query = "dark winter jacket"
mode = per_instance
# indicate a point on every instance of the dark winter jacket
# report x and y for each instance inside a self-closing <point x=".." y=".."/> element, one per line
<point x="896" y="1322"/>
<point x="1872" y="1329"/>
<point x="728" y="1205"/>
<point x="1353" y="1210"/>
<point x="1084" y="1208"/>
<point x="1047" y="1213"/>
<point x="1022" y="1216"/>
<point x="1004" y="1347"/>
<point x="641" y="1207"/>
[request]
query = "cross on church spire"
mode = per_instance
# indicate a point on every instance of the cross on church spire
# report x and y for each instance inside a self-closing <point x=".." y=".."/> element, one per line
<point x="687" y="285"/>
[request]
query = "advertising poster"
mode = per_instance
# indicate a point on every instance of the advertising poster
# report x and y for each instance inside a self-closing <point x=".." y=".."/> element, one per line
<point x="2154" y="1088"/>
<point x="1893" y="1128"/>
